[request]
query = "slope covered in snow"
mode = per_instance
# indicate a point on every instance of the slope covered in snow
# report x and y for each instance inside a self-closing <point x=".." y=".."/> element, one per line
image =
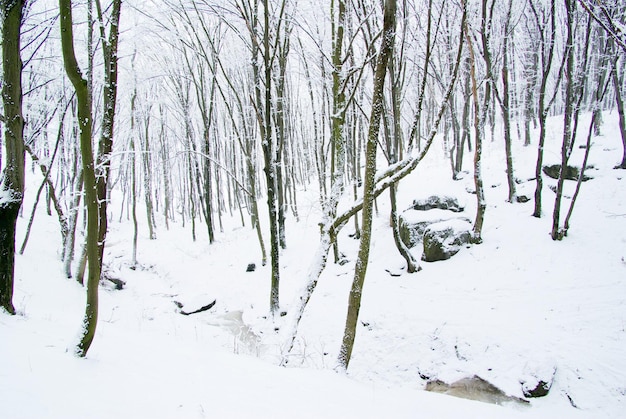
<point x="515" y="307"/>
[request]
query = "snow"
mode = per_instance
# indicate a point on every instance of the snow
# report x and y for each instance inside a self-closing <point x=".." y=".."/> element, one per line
<point x="412" y="216"/>
<point x="6" y="196"/>
<point x="515" y="307"/>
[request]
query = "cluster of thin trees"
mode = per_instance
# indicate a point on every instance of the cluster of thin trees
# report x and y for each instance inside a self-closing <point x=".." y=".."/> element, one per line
<point x="222" y="103"/>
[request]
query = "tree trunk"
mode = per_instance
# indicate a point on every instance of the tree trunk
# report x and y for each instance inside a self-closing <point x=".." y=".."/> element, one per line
<point x="147" y="176"/>
<point x="133" y="174"/>
<point x="354" y="301"/>
<point x="12" y="183"/>
<point x="479" y="125"/>
<point x="505" y="107"/>
<point x="338" y="117"/>
<point x="557" y="233"/>
<point x="109" y="51"/>
<point x="73" y="221"/>
<point x="546" y="65"/>
<point x="91" y="200"/>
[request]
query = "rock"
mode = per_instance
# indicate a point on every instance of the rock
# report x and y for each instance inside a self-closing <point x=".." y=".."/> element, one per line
<point x="251" y="267"/>
<point x="443" y="240"/>
<point x="195" y="304"/>
<point x="474" y="388"/>
<point x="571" y="172"/>
<point x="443" y="202"/>
<point x="537" y="380"/>
<point x="113" y="278"/>
<point x="412" y="223"/>
<point x="541" y="388"/>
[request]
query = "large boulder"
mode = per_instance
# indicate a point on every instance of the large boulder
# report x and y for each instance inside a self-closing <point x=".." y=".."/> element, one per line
<point x="443" y="202"/>
<point x="443" y="240"/>
<point x="413" y="223"/>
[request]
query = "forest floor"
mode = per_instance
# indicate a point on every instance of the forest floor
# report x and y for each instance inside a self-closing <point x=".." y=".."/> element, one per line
<point x="516" y="306"/>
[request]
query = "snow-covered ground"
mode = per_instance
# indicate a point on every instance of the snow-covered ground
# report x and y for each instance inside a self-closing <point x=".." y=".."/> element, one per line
<point x="518" y="305"/>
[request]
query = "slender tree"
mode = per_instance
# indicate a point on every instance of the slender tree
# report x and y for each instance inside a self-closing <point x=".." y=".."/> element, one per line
<point x="354" y="301"/>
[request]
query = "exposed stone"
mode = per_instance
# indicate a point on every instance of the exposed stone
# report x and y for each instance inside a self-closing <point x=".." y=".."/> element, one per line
<point x="537" y="380"/>
<point x="443" y="240"/>
<point x="195" y="304"/>
<point x="571" y="172"/>
<point x="412" y="223"/>
<point x="443" y="202"/>
<point x="541" y="389"/>
<point x="251" y="267"/>
<point x="474" y="388"/>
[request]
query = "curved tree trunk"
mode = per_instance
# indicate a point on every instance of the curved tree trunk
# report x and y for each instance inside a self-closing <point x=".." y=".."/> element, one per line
<point x="91" y="200"/>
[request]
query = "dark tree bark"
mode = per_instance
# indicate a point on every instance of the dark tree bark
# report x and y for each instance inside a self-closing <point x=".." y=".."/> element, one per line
<point x="12" y="179"/>
<point x="109" y="52"/>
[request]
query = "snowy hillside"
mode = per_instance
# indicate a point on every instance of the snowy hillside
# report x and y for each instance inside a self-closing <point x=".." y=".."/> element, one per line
<point x="518" y="305"/>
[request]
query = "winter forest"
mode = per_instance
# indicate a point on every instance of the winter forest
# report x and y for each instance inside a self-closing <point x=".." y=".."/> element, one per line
<point x="290" y="208"/>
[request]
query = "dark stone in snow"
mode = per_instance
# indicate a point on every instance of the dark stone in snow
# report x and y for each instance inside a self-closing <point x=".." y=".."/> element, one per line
<point x="542" y="389"/>
<point x="444" y="240"/>
<point x="195" y="304"/>
<point x="200" y="310"/>
<point x="538" y="380"/>
<point x="571" y="172"/>
<point x="251" y="267"/>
